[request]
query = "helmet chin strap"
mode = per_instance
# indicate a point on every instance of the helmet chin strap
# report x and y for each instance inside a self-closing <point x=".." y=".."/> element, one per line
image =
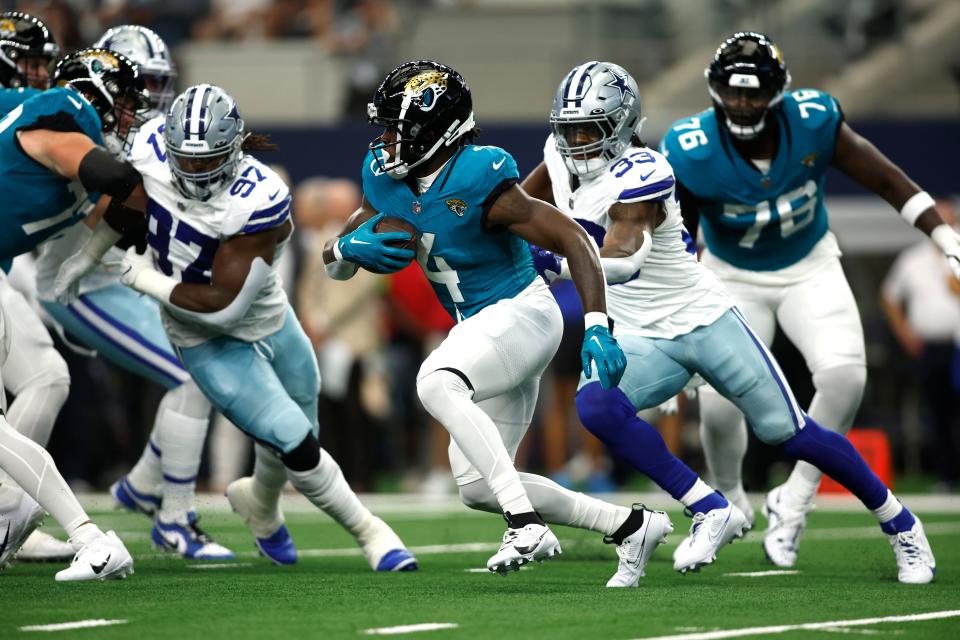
<point x="453" y="133"/>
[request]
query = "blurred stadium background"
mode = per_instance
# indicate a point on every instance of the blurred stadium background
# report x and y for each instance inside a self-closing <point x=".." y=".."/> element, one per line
<point x="303" y="70"/>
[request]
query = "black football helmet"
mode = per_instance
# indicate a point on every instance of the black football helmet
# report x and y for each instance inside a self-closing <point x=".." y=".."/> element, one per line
<point x="425" y="105"/>
<point x="112" y="84"/>
<point x="746" y="79"/>
<point x="24" y="37"/>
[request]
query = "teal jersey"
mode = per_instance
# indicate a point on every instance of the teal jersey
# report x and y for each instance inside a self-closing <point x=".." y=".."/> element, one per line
<point x="37" y="202"/>
<point x="13" y="98"/>
<point x="756" y="221"/>
<point x="469" y="265"/>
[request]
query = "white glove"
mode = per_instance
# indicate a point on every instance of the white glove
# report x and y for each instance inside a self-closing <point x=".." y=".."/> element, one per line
<point x="948" y="240"/>
<point x="133" y="265"/>
<point x="66" y="286"/>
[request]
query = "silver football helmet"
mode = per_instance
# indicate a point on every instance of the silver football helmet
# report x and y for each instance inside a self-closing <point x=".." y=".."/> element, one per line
<point x="203" y="134"/>
<point x="596" y="113"/>
<point x="149" y="51"/>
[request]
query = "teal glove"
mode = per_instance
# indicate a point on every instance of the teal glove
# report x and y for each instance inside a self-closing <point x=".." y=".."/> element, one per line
<point x="602" y="348"/>
<point x="372" y="250"/>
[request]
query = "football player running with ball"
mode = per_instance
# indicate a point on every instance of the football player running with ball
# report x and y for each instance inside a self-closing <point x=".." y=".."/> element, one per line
<point x="752" y="168"/>
<point x="675" y="319"/>
<point x="217" y="219"/>
<point x="481" y="383"/>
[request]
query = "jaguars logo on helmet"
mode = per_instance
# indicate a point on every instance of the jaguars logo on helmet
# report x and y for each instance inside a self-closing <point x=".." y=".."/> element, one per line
<point x="24" y="36"/>
<point x="747" y="80"/>
<point x="423" y="105"/>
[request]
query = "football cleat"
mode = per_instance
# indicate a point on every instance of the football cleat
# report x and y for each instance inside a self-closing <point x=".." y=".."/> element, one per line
<point x="277" y="545"/>
<point x="130" y="499"/>
<point x="739" y="498"/>
<point x="785" y="523"/>
<point x="16" y="525"/>
<point x="188" y="540"/>
<point x="709" y="532"/>
<point x="522" y="545"/>
<point x="43" y="547"/>
<point x="636" y="548"/>
<point x="103" y="558"/>
<point x="914" y="555"/>
<point x="383" y="548"/>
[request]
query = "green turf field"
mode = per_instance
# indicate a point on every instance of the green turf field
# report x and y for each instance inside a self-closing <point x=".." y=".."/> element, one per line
<point x="846" y="572"/>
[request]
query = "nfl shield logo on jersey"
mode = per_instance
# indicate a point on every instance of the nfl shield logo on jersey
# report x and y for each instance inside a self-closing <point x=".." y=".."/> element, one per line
<point x="416" y="206"/>
<point x="457" y="205"/>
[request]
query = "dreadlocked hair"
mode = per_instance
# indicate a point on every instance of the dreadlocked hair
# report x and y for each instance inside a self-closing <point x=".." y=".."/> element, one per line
<point x="258" y="142"/>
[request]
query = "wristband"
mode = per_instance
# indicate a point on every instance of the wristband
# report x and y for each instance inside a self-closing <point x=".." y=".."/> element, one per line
<point x="917" y="204"/>
<point x="336" y="250"/>
<point x="594" y="318"/>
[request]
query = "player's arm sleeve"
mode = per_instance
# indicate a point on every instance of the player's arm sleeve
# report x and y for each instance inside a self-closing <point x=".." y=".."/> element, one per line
<point x="689" y="210"/>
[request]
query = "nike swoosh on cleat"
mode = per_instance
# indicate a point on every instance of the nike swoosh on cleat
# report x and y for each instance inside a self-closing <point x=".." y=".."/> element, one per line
<point x="714" y="538"/>
<point x="531" y="548"/>
<point x="97" y="569"/>
<point x="497" y="165"/>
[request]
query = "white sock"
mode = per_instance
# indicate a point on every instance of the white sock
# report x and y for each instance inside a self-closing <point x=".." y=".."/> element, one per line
<point x="446" y="396"/>
<point x="181" y="428"/>
<point x="697" y="492"/>
<point x="325" y="486"/>
<point x="33" y="469"/>
<point x="83" y="534"/>
<point x="229" y="452"/>
<point x="724" y="436"/>
<point x="269" y="476"/>
<point x="35" y="409"/>
<point x="889" y="510"/>
<point x="147" y="474"/>
<point x="557" y="505"/>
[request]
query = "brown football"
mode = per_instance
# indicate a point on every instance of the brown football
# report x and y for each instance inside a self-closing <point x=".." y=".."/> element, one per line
<point x="390" y="224"/>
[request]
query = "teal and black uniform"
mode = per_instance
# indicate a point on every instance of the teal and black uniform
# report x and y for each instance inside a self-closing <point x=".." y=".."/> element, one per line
<point x="13" y="98"/>
<point x="752" y="220"/>
<point x="469" y="263"/>
<point x="37" y="202"/>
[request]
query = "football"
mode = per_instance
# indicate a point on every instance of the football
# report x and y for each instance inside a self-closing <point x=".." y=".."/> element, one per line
<point x="390" y="224"/>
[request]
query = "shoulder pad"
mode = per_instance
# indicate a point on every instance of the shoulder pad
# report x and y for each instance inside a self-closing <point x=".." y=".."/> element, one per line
<point x="641" y="175"/>
<point x="497" y="163"/>
<point x="690" y="139"/>
<point x="148" y="145"/>
<point x="258" y="199"/>
<point x="813" y="109"/>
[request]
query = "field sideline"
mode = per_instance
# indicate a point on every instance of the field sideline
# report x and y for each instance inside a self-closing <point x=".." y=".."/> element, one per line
<point x="844" y="582"/>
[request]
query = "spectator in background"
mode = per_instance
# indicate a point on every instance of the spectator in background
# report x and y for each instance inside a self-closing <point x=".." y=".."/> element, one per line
<point x="365" y="37"/>
<point x="919" y="300"/>
<point x="171" y="19"/>
<point x="344" y="322"/>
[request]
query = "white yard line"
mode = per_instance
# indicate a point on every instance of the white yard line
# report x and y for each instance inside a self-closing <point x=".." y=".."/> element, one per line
<point x="67" y="626"/>
<point x="808" y="626"/>
<point x="410" y="628"/>
<point x="764" y="574"/>
<point x="412" y="505"/>
<point x="220" y="565"/>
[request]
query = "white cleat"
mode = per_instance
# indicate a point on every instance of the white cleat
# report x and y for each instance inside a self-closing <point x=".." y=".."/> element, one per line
<point x="43" y="547"/>
<point x="785" y="523"/>
<point x="520" y="546"/>
<point x="914" y="555"/>
<point x="103" y="558"/>
<point x="636" y="549"/>
<point x="709" y="532"/>
<point x="746" y="509"/>
<point x="16" y="525"/>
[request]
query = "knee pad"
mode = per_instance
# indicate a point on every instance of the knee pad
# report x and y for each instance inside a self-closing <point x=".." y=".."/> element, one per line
<point x="477" y="495"/>
<point x="436" y="387"/>
<point x="839" y="392"/>
<point x="305" y="456"/>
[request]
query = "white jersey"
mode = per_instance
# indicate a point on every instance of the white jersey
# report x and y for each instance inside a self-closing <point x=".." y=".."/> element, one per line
<point x="184" y="234"/>
<point x="673" y="293"/>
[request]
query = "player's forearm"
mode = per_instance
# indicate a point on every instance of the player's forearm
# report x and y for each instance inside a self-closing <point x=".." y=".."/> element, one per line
<point x="333" y="262"/>
<point x="201" y="298"/>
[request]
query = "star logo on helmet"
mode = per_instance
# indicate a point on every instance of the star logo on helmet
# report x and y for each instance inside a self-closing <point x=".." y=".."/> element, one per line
<point x="620" y="83"/>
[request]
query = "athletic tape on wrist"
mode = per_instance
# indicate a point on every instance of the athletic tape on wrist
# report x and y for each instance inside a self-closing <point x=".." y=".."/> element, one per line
<point x="917" y="204"/>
